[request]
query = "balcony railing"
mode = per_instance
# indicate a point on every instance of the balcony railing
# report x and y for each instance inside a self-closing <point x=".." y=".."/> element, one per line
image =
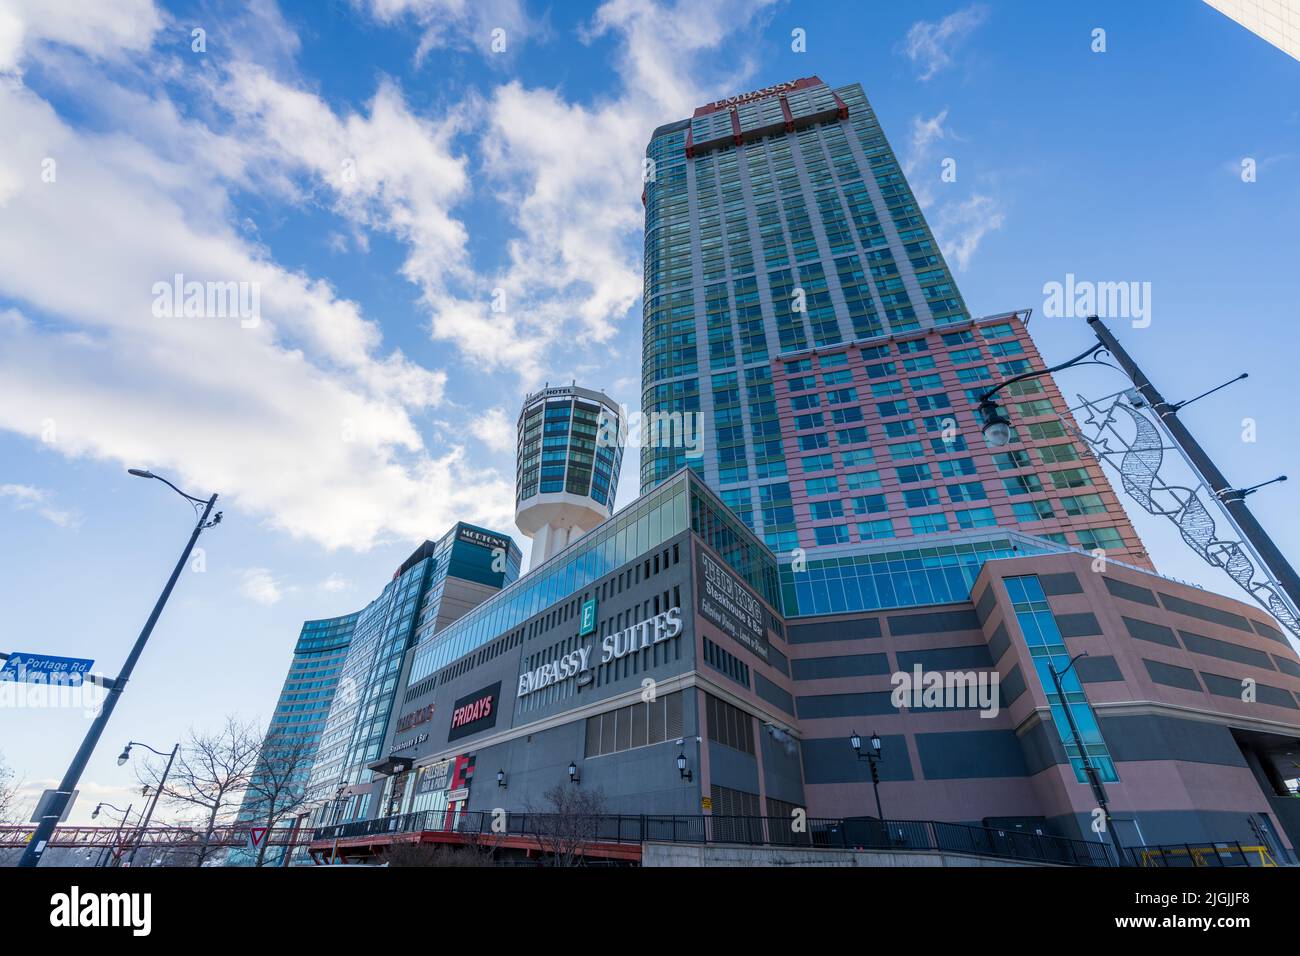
<point x="814" y="832"/>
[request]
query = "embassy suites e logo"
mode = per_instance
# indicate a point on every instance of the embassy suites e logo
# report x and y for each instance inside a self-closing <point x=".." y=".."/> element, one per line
<point x="76" y="909"/>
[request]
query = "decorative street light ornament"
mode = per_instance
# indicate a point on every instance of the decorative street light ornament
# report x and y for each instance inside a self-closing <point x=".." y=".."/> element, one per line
<point x="1178" y="495"/>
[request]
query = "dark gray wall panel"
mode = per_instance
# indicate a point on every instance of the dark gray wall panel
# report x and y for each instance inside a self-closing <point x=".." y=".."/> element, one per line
<point x="1146" y="631"/>
<point x="1205" y="612"/>
<point x="999" y="643"/>
<point x="1077" y="625"/>
<point x="1012" y="686"/>
<point x="1098" y="670"/>
<point x="845" y="705"/>
<point x="1152" y="737"/>
<point x="1065" y="583"/>
<point x="832" y="760"/>
<point x="782" y="768"/>
<point x="848" y="665"/>
<point x="1129" y="592"/>
<point x="773" y="694"/>
<point x="1223" y="686"/>
<point x="818" y="632"/>
<point x="964" y="755"/>
<point x="934" y="622"/>
<point x="962" y="656"/>
<point x="1224" y="650"/>
<point x="1272" y="633"/>
<point x="1171" y="675"/>
<point x="1286" y="666"/>
<point x="1041" y="747"/>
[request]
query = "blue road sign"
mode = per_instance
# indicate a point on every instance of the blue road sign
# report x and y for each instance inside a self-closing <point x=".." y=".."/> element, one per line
<point x="45" y="669"/>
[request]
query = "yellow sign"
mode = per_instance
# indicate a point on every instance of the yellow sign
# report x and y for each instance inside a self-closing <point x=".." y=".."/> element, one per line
<point x="706" y="803"/>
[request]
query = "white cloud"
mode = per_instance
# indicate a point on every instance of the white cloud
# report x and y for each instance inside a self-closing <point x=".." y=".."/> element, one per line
<point x="962" y="225"/>
<point x="304" y="419"/>
<point x="335" y="583"/>
<point x="41" y="501"/>
<point x="959" y="221"/>
<point x="104" y="29"/>
<point x="260" y="585"/>
<point x="926" y="132"/>
<point x="308" y="421"/>
<point x="930" y="44"/>
<point x="495" y="429"/>
<point x="572" y="174"/>
<point x="457" y="24"/>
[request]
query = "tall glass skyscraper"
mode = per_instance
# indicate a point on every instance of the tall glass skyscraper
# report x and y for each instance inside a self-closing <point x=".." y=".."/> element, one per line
<point x="437" y="584"/>
<point x="299" y="718"/>
<point x="797" y="302"/>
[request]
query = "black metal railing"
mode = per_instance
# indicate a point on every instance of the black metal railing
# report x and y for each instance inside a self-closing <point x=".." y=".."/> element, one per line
<point x="816" y="832"/>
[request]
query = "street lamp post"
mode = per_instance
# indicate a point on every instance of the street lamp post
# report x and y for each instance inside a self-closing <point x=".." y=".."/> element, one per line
<point x="45" y="828"/>
<point x="122" y="759"/>
<point x="994" y="425"/>
<point x="1094" y="779"/>
<point x="873" y="757"/>
<point x="101" y="861"/>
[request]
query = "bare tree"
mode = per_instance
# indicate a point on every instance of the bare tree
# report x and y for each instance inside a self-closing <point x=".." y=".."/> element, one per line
<point x="210" y="774"/>
<point x="474" y="853"/>
<point x="278" y="786"/>
<point x="568" y="823"/>
<point x="9" y="808"/>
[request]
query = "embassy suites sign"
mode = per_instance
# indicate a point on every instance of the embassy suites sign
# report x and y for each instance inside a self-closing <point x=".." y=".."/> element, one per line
<point x="764" y="93"/>
<point x="636" y="637"/>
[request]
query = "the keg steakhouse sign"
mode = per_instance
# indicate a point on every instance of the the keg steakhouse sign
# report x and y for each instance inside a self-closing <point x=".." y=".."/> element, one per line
<point x="474" y="712"/>
<point x="727" y="604"/>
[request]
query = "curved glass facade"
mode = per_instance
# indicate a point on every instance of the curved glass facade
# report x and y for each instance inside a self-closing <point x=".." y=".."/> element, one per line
<point x="559" y="448"/>
<point x="408" y="609"/>
<point x="636" y="529"/>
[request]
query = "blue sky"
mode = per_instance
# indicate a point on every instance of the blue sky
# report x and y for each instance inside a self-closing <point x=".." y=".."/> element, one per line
<point x="378" y="169"/>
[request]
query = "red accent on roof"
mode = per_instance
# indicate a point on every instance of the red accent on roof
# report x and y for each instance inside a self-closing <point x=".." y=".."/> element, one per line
<point x="789" y="117"/>
<point x="843" y="108"/>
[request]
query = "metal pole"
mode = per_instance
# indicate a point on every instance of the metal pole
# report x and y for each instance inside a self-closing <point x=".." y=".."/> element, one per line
<point x="45" y="829"/>
<point x="1089" y="770"/>
<point x="293" y="839"/>
<point x="1281" y="569"/>
<point x="153" y="803"/>
<point x="105" y="854"/>
<point x="875" y="785"/>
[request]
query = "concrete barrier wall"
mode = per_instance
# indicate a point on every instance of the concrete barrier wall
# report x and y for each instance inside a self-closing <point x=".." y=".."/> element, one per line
<point x="722" y="854"/>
